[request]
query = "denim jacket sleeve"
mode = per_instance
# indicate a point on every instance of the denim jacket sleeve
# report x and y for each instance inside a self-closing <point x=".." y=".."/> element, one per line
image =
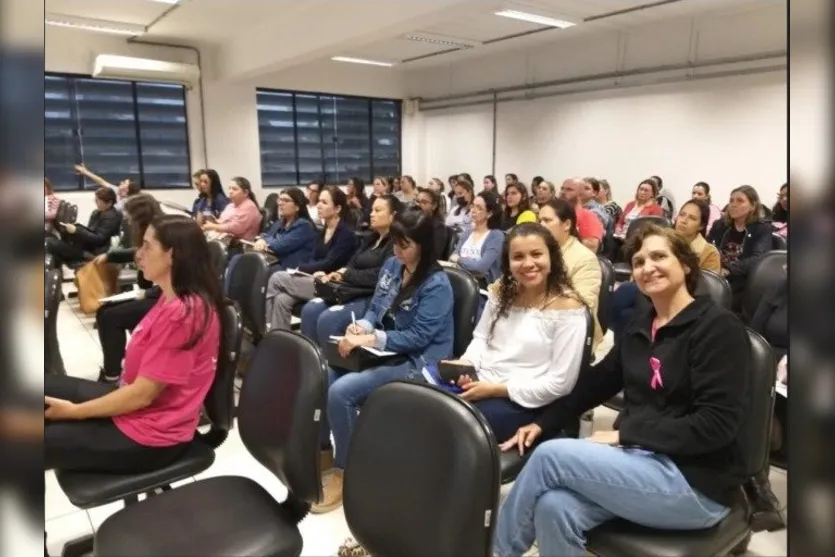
<point x="299" y="234"/>
<point x="432" y="306"/>
<point x="491" y="251"/>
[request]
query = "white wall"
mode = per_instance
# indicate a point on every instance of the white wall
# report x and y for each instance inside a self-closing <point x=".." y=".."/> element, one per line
<point x="726" y="131"/>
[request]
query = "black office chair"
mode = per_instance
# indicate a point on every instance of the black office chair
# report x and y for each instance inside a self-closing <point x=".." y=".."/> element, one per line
<point x="607" y="286"/>
<point x="88" y="490"/>
<point x="53" y="362"/>
<point x="271" y="206"/>
<point x="282" y="405"/>
<point x="511" y="463"/>
<point x="218" y="254"/>
<point x="623" y="270"/>
<point x="465" y="309"/>
<point x="778" y="242"/>
<point x="247" y="285"/>
<point x="417" y="487"/>
<point x="621" y="538"/>
<point x="763" y="277"/>
<point x="265" y="219"/>
<point x="452" y="237"/>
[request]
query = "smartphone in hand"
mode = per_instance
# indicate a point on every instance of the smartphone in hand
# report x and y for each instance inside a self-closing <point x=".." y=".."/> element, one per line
<point x="449" y="372"/>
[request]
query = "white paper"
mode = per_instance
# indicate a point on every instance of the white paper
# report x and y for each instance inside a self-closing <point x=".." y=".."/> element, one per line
<point x="123" y="297"/>
<point x="379" y="353"/>
<point x="782" y="389"/>
<point x="484" y="293"/>
<point x="297" y="272"/>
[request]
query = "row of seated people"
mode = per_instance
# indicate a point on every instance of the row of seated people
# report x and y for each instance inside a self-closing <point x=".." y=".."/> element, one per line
<point x="533" y="318"/>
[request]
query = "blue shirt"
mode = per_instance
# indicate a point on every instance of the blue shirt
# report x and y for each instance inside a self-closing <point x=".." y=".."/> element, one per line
<point x="293" y="244"/>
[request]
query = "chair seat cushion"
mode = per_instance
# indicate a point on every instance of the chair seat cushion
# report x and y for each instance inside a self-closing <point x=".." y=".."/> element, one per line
<point x="511" y="464"/>
<point x="622" y="272"/>
<point x="224" y="516"/>
<point x="616" y="402"/>
<point x="620" y="538"/>
<point x="93" y="489"/>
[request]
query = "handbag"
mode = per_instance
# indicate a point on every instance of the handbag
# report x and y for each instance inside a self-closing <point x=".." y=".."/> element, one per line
<point x="359" y="359"/>
<point x="94" y="283"/>
<point x="340" y="293"/>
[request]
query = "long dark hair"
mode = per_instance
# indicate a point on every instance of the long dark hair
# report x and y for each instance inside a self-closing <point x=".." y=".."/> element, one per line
<point x="339" y="200"/>
<point x="558" y="282"/>
<point x="437" y="213"/>
<point x="705" y="186"/>
<point x="565" y="212"/>
<point x="778" y="214"/>
<point x="359" y="190"/>
<point x="106" y="194"/>
<point x="215" y="186"/>
<point x="192" y="273"/>
<point x="494" y="208"/>
<point x="524" y="204"/>
<point x="299" y="200"/>
<point x="141" y="210"/>
<point x="704" y="213"/>
<point x="419" y="228"/>
<point x="467" y="186"/>
<point x="244" y="184"/>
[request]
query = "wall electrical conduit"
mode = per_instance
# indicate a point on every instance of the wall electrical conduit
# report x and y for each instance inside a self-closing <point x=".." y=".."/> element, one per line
<point x="760" y="63"/>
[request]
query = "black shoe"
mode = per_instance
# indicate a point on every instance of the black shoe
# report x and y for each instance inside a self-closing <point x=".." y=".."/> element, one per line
<point x="766" y="513"/>
<point x="103" y="378"/>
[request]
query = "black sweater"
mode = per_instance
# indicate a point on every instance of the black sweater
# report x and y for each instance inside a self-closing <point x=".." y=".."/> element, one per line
<point x="123" y="256"/>
<point x="756" y="242"/>
<point x="364" y="267"/>
<point x="695" y="418"/>
<point x="95" y="237"/>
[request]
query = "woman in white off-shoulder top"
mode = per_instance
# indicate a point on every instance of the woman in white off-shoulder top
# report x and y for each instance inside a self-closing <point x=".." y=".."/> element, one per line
<point x="528" y="345"/>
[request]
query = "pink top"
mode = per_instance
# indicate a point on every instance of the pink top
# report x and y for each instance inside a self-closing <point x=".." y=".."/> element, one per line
<point x="647" y="210"/>
<point x="241" y="221"/>
<point x="155" y="352"/>
<point x="51" y="203"/>
<point x="588" y="225"/>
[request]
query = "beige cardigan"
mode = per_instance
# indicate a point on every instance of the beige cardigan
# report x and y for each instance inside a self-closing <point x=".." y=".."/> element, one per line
<point x="709" y="259"/>
<point x="586" y="276"/>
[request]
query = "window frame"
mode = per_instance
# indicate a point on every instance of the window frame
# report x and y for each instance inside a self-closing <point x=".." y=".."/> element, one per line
<point x="81" y="184"/>
<point x="319" y="94"/>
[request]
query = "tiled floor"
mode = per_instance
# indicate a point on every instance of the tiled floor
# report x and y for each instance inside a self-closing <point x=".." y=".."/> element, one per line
<point x="322" y="533"/>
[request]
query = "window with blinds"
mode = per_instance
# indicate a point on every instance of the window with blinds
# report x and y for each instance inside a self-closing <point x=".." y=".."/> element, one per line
<point x="118" y="129"/>
<point x="306" y="136"/>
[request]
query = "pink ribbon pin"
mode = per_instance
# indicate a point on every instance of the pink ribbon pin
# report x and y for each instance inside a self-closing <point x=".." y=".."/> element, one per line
<point x="656" y="381"/>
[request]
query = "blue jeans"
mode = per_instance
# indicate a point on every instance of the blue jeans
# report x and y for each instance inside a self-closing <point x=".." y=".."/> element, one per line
<point x="320" y="321"/>
<point x="347" y="393"/>
<point x="622" y="306"/>
<point x="570" y="486"/>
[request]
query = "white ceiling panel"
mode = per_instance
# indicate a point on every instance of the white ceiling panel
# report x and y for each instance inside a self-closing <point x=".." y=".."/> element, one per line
<point x="397" y="50"/>
<point x="139" y="12"/>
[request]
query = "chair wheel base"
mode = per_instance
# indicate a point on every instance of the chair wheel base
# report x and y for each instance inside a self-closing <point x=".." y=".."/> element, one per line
<point x="742" y="547"/>
<point x="79" y="547"/>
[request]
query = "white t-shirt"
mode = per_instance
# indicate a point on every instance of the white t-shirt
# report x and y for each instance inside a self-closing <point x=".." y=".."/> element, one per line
<point x="471" y="249"/>
<point x="313" y="211"/>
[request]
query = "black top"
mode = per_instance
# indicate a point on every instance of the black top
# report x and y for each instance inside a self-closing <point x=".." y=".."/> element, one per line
<point x="442" y="233"/>
<point x="333" y="254"/>
<point x="771" y="319"/>
<point x="102" y="226"/>
<point x="128" y="255"/>
<point x="364" y="267"/>
<point x="740" y="249"/>
<point x="695" y="417"/>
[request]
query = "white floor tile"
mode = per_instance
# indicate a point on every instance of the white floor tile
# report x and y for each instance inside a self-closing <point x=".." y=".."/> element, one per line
<point x="324" y="533"/>
<point x="56" y="503"/>
<point x="66" y="528"/>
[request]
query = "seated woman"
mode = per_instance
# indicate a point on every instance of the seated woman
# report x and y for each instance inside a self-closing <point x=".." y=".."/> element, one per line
<point x="319" y="321"/>
<point x="149" y="419"/>
<point x="407" y="195"/>
<point x="741" y="237"/>
<point x="560" y="218"/>
<point x="292" y="238"/>
<point x="211" y="200"/>
<point x="77" y="240"/>
<point x="114" y="321"/>
<point x="517" y="208"/>
<point x="479" y="251"/>
<point x="459" y="214"/>
<point x="410" y="314"/>
<point x="358" y="203"/>
<point x="50" y="206"/>
<point x="690" y="223"/>
<point x="429" y="201"/>
<point x="528" y="346"/>
<point x="643" y="205"/>
<point x="677" y="462"/>
<point x="379" y="187"/>
<point x="701" y="192"/>
<point x="127" y="188"/>
<point x="241" y="219"/>
<point x="334" y="248"/>
<point x="780" y="212"/>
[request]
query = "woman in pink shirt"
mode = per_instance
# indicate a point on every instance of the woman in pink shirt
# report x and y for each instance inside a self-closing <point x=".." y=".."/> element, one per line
<point x="241" y="218"/>
<point x="149" y="419"/>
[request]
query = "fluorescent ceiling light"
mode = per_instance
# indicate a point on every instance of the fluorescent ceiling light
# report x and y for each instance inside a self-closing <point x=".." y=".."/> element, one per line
<point x="166" y="1"/>
<point x="96" y="25"/>
<point x="533" y="18"/>
<point x="443" y="41"/>
<point x="362" y="61"/>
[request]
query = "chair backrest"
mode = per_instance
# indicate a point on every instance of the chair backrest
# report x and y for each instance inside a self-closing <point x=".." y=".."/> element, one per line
<point x="714" y="287"/>
<point x="778" y="242"/>
<point x="247" y="286"/>
<point x="755" y="433"/>
<point x="282" y="408"/>
<point x="640" y="222"/>
<point x="265" y="219"/>
<point x="217" y="251"/>
<point x="271" y="204"/>
<point x="452" y="236"/>
<point x="443" y="468"/>
<point x="220" y="400"/>
<point x="53" y="362"/>
<point x="607" y="286"/>
<point x="465" y="308"/>
<point x="763" y="276"/>
<point x="67" y="212"/>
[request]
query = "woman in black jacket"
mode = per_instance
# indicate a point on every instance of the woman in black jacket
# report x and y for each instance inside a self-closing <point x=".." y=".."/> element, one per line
<point x="429" y="201"/>
<point x="319" y="321"/>
<point x="77" y="241"/>
<point x="741" y="238"/>
<point x="114" y="321"/>
<point x="676" y="461"/>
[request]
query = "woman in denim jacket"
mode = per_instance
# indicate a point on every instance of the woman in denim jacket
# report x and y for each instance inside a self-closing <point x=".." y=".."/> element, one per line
<point x="410" y="314"/>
